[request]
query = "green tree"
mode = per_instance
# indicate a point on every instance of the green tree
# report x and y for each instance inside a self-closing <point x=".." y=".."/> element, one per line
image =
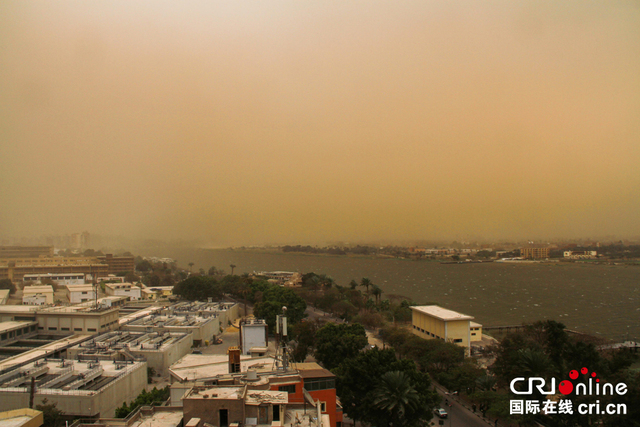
<point x="334" y="343"/>
<point x="395" y="396"/>
<point x="365" y="283"/>
<point x="275" y="297"/>
<point x="153" y="397"/>
<point x="233" y="266"/>
<point x="51" y="414"/>
<point x="7" y="284"/>
<point x="198" y="288"/>
<point x="358" y="386"/>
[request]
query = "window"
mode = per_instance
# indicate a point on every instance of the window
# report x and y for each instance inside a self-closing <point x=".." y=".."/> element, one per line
<point x="473" y="333"/>
<point x="77" y="329"/>
<point x="3" y="337"/>
<point x="53" y="329"/>
<point x="290" y="388"/>
<point x="457" y="340"/>
<point x="91" y="329"/>
<point x="323" y="407"/>
<point x="64" y="329"/>
<point x="319" y="384"/>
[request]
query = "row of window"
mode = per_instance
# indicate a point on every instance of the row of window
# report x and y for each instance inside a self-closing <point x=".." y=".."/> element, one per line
<point x="17" y="332"/>
<point x="53" y="328"/>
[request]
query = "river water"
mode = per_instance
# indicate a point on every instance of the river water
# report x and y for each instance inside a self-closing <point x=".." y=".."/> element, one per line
<point x="597" y="299"/>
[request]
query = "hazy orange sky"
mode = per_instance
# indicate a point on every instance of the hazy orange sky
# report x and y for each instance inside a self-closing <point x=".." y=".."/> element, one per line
<point x="242" y="123"/>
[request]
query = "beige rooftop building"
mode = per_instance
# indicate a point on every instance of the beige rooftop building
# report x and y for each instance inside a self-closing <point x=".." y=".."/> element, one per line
<point x="432" y="321"/>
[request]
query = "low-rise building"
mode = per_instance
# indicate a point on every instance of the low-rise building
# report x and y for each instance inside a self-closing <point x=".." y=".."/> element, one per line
<point x="37" y="295"/>
<point x="432" y="321"/>
<point x="123" y="289"/>
<point x="63" y="279"/>
<point x="79" y="389"/>
<point x="580" y="254"/>
<point x="257" y="393"/>
<point x="118" y="264"/>
<point x="81" y="293"/>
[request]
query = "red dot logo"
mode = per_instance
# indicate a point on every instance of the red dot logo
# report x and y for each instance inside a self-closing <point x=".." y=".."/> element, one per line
<point x="565" y="387"/>
<point x="573" y="374"/>
<point x="584" y="370"/>
<point x="593" y="374"/>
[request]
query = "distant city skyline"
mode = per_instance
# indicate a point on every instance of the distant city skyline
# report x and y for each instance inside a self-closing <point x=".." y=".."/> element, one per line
<point x="259" y="123"/>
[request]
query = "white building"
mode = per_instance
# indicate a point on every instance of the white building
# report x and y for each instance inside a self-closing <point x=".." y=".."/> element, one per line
<point x="81" y="293"/>
<point x="59" y="278"/>
<point x="123" y="289"/>
<point x="37" y="295"/>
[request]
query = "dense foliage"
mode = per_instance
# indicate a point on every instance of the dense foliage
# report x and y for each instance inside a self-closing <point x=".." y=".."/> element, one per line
<point x="153" y="397"/>
<point x="369" y="392"/>
<point x="198" y="288"/>
<point x="335" y="343"/>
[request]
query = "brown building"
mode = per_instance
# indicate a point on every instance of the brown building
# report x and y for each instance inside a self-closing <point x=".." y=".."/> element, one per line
<point x="16" y="268"/>
<point x="118" y="264"/>
<point x="534" y="253"/>
<point x="25" y="251"/>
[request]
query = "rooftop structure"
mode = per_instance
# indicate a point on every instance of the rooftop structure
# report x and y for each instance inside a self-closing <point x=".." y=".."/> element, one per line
<point x="254" y="338"/>
<point x="160" y="350"/>
<point x="77" y="388"/>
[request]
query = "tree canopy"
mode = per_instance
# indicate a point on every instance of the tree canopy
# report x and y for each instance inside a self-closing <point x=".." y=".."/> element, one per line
<point x="198" y="288"/>
<point x="362" y="390"/>
<point x="337" y="342"/>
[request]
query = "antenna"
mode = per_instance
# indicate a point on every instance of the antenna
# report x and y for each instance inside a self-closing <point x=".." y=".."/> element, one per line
<point x="282" y="352"/>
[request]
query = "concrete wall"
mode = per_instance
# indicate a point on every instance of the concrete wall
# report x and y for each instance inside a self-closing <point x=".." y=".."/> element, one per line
<point x="162" y="360"/>
<point x="61" y="323"/>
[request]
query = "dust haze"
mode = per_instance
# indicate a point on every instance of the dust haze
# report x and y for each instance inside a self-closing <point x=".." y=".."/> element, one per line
<point x="241" y="123"/>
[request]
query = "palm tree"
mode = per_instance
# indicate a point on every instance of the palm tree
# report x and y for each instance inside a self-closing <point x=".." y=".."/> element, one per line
<point x="365" y="283"/>
<point x="232" y="267"/>
<point x="376" y="292"/>
<point x="396" y="396"/>
<point x="191" y="264"/>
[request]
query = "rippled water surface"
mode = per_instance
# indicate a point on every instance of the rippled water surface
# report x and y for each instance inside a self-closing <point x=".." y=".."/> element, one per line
<point x="597" y="299"/>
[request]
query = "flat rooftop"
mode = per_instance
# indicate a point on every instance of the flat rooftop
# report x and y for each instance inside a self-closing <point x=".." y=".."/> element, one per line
<point x="64" y="376"/>
<point x="201" y="366"/>
<point x="43" y="351"/>
<point x="441" y="313"/>
<point x="133" y="341"/>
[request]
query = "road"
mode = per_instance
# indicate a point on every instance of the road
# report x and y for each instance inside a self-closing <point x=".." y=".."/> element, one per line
<point x="459" y="415"/>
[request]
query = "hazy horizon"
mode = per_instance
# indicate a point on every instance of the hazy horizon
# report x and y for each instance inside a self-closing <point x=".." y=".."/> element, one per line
<point x="290" y="122"/>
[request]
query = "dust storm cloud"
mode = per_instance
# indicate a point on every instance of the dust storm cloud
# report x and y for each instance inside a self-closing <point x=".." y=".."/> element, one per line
<point x="274" y="122"/>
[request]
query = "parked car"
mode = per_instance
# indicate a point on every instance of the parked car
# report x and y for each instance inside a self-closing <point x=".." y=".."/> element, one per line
<point x="441" y="413"/>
